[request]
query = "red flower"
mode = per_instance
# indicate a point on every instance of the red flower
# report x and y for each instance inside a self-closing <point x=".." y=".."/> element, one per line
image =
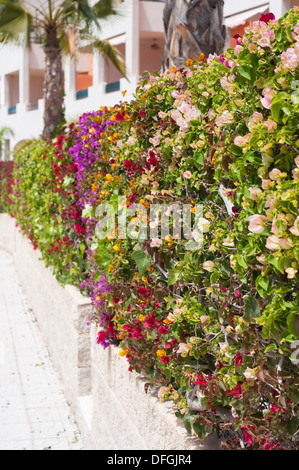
<point x="149" y="321"/>
<point x="137" y="333"/>
<point x="274" y="408"/>
<point x="102" y="335"/>
<point x="238" y="294"/>
<point x="116" y="300"/>
<point x="152" y="159"/>
<point x="165" y="359"/>
<point x="170" y="344"/>
<point x="163" y="329"/>
<point x="267" y="17"/>
<point x="128" y="328"/>
<point x="143" y="291"/>
<point x="237" y="391"/>
<point x="200" y="381"/>
<point x="128" y="164"/>
<point x="238" y="359"/>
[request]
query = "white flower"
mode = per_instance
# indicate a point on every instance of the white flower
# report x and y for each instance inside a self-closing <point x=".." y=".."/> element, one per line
<point x="208" y="266"/>
<point x="291" y="272"/>
<point x="156" y="242"/>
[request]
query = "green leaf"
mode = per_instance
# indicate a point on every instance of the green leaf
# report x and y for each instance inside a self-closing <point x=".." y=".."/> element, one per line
<point x="173" y="277"/>
<point x="201" y="429"/>
<point x="270" y="347"/>
<point x="252" y="309"/>
<point x="142" y="260"/>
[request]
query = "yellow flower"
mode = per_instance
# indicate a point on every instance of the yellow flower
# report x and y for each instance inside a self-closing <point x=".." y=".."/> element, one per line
<point x="110" y="268"/>
<point x="123" y="352"/>
<point x="161" y="353"/>
<point x="116" y="247"/>
<point x="121" y="336"/>
<point x="124" y="92"/>
<point x="174" y="69"/>
<point x="144" y="279"/>
<point x="109" y="177"/>
<point x="100" y="174"/>
<point x="189" y="62"/>
<point x="141" y="318"/>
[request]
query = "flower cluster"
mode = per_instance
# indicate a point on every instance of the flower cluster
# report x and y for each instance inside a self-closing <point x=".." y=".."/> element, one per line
<point x="214" y="325"/>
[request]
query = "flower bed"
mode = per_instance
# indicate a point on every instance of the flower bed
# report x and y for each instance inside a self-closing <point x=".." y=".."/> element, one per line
<point x="215" y="323"/>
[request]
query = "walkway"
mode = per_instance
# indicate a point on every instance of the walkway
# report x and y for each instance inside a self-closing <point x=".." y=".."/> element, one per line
<point x="34" y="414"/>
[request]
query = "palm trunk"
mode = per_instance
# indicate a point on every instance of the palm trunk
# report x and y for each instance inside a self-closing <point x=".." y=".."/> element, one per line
<point x="53" y="84"/>
<point x="192" y="27"/>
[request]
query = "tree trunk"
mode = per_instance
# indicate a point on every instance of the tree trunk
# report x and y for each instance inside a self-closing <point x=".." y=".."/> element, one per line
<point x="192" y="27"/>
<point x="53" y="85"/>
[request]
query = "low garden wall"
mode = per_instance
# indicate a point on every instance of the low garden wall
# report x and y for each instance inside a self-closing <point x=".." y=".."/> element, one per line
<point x="110" y="404"/>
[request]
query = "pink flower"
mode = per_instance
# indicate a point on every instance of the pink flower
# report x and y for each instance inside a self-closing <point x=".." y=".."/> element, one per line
<point x="295" y="229"/>
<point x="272" y="243"/>
<point x="266" y="101"/>
<point x="257" y="223"/>
<point x="240" y="141"/>
<point x="275" y="174"/>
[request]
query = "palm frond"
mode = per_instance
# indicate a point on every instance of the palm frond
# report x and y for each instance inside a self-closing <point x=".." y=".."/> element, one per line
<point x="15" y="22"/>
<point x="111" y="53"/>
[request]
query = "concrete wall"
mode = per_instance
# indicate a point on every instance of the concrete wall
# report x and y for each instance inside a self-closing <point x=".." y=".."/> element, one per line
<point x="109" y="403"/>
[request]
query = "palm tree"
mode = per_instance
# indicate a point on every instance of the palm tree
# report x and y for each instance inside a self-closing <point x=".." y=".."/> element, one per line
<point x="60" y="24"/>
<point x="192" y="27"/>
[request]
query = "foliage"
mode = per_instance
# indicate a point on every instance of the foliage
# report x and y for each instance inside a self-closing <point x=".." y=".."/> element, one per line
<point x="44" y="204"/>
<point x="6" y="169"/>
<point x="214" y="326"/>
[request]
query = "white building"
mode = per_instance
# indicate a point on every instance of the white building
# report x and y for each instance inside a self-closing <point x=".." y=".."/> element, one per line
<point x="92" y="83"/>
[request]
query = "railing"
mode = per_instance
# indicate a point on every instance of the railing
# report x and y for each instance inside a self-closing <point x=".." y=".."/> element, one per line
<point x="112" y="86"/>
<point x="12" y="110"/>
<point x="32" y="106"/>
<point x="81" y="94"/>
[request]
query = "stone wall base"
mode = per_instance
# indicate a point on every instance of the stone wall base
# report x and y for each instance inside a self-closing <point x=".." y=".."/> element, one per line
<point x="110" y="405"/>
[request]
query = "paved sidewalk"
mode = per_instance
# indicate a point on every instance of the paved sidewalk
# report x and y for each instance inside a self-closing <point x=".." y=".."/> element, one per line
<point x="34" y="414"/>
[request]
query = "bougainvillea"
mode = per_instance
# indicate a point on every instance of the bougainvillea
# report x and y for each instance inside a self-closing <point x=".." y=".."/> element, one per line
<point x="44" y="204"/>
<point x="215" y="325"/>
<point x="6" y="180"/>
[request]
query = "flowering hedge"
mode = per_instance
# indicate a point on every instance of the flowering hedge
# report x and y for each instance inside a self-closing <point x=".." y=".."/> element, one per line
<point x="45" y="205"/>
<point x="6" y="169"/>
<point x="215" y="327"/>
